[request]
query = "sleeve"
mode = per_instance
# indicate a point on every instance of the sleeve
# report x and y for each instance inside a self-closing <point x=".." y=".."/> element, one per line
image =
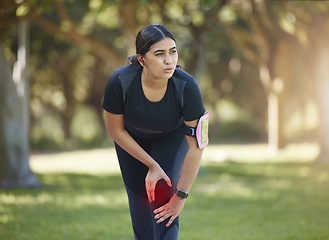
<point x="193" y="104"/>
<point x="113" y="98"/>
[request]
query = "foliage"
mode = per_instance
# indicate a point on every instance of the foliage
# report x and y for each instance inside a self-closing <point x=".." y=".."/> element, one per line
<point x="242" y="198"/>
<point x="75" y="45"/>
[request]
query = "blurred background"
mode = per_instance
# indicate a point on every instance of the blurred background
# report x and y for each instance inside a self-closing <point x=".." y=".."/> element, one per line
<point x="262" y="66"/>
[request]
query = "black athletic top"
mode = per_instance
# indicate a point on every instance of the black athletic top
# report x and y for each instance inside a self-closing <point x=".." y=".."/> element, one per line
<point x="148" y="120"/>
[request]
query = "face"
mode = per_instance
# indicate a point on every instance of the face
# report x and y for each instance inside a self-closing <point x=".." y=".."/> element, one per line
<point x="161" y="60"/>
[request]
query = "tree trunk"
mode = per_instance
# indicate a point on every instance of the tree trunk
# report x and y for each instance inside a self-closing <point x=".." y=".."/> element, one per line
<point x="68" y="112"/>
<point x="319" y="52"/>
<point x="195" y="65"/>
<point x="128" y="24"/>
<point x="276" y="138"/>
<point x="64" y="67"/>
<point x="275" y="101"/>
<point x="95" y="95"/>
<point x="284" y="57"/>
<point x="14" y="119"/>
<point x="322" y="86"/>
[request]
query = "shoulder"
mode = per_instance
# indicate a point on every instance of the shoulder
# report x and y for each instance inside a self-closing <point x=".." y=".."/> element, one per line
<point x="126" y="70"/>
<point x="182" y="75"/>
<point x="183" y="78"/>
<point x="191" y="99"/>
<point x="122" y="77"/>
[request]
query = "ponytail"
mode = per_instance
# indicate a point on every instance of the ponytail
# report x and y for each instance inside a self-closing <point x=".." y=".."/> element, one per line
<point x="132" y="60"/>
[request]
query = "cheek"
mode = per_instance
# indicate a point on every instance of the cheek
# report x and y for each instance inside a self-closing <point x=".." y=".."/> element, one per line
<point x="175" y="58"/>
<point x="155" y="62"/>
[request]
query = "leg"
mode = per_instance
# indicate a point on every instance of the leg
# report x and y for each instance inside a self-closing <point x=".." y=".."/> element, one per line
<point x="134" y="173"/>
<point x="169" y="152"/>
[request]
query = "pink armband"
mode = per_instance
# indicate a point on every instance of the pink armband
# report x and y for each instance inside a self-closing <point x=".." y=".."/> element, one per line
<point x="200" y="132"/>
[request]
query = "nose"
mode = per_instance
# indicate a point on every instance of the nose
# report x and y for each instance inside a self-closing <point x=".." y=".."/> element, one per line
<point x="168" y="59"/>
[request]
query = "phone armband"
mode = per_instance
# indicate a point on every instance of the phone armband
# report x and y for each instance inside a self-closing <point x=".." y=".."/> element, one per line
<point x="200" y="132"/>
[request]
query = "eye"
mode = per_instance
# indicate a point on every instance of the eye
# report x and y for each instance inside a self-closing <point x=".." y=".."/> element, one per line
<point x="173" y="51"/>
<point x="159" y="54"/>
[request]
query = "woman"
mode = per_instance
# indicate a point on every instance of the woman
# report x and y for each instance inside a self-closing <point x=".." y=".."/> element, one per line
<point x="147" y="104"/>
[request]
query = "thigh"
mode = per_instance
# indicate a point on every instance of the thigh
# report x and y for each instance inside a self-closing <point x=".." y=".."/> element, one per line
<point x="170" y="151"/>
<point x="133" y="174"/>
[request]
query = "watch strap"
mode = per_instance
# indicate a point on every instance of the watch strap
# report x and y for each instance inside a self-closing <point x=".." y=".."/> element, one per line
<point x="181" y="193"/>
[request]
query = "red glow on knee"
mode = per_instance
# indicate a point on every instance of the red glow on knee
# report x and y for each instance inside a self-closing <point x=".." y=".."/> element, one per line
<point x="163" y="193"/>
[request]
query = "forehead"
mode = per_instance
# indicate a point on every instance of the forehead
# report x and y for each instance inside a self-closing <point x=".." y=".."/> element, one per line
<point x="164" y="44"/>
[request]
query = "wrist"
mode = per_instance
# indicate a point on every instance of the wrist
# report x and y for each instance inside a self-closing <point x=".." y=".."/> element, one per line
<point x="179" y="200"/>
<point x="181" y="194"/>
<point x="152" y="164"/>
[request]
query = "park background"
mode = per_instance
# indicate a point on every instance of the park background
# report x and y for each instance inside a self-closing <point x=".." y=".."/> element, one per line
<point x="263" y="69"/>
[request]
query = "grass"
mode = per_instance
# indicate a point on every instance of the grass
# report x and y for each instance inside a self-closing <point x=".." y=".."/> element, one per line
<point x="241" y="193"/>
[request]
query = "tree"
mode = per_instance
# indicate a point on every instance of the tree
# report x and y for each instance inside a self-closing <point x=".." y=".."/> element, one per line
<point x="14" y="119"/>
<point x="316" y="62"/>
<point x="255" y="30"/>
<point x="14" y="126"/>
<point x="103" y="33"/>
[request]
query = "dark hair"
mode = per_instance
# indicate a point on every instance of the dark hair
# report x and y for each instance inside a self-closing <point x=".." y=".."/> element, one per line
<point x="148" y="36"/>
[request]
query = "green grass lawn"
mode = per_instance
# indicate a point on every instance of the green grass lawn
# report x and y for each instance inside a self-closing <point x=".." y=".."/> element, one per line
<point x="241" y="193"/>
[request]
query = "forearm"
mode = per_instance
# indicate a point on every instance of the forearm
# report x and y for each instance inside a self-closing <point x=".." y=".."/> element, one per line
<point x="115" y="128"/>
<point x="190" y="169"/>
<point x="126" y="142"/>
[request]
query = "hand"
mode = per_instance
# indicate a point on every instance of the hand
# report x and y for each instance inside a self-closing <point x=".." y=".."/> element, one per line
<point x="170" y="210"/>
<point x="154" y="174"/>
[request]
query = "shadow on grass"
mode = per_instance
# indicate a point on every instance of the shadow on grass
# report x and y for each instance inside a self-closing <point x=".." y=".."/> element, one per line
<point x="69" y="206"/>
<point x="81" y="182"/>
<point x="229" y="200"/>
<point x="266" y="180"/>
<point x="258" y="201"/>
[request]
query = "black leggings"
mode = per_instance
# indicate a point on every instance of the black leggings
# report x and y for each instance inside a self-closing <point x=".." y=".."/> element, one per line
<point x="169" y="151"/>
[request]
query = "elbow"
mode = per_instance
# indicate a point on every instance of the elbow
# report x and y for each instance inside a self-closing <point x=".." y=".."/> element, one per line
<point x="108" y="129"/>
<point x="114" y="133"/>
<point x="114" y="125"/>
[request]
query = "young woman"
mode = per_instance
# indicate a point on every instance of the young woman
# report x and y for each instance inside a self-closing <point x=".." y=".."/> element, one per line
<point x="148" y="104"/>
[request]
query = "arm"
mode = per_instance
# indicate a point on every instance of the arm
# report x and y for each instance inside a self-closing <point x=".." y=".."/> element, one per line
<point x="189" y="172"/>
<point x="191" y="163"/>
<point x="115" y="128"/>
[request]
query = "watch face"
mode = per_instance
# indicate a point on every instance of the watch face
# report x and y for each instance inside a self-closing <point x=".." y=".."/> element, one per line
<point x="181" y="194"/>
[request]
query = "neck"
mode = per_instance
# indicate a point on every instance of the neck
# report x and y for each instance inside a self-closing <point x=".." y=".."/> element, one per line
<point x="155" y="83"/>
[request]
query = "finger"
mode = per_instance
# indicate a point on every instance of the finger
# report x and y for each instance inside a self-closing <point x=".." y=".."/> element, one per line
<point x="152" y="192"/>
<point x="148" y="191"/>
<point x="160" y="209"/>
<point x="170" y="221"/>
<point x="161" y="214"/>
<point x="164" y="217"/>
<point x="168" y="181"/>
<point x="149" y="196"/>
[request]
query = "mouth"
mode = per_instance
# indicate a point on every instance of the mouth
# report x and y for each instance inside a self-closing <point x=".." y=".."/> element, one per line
<point x="169" y="70"/>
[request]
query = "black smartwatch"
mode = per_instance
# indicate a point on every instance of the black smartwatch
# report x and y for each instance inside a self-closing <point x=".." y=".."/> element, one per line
<point x="181" y="194"/>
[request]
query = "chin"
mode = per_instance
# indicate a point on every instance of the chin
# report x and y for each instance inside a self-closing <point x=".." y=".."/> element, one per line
<point x="169" y="75"/>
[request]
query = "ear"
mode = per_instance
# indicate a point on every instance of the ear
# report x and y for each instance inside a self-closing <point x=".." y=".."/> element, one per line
<point x="141" y="60"/>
